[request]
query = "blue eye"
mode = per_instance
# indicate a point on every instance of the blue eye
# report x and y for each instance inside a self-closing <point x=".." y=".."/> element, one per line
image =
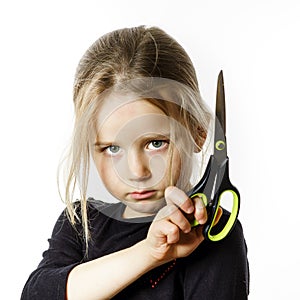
<point x="157" y="144"/>
<point x="112" y="149"/>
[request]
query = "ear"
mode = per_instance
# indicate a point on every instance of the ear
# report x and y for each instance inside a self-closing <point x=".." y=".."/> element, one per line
<point x="200" y="138"/>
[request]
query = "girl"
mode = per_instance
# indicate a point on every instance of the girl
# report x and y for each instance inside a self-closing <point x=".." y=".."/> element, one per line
<point x="141" y="121"/>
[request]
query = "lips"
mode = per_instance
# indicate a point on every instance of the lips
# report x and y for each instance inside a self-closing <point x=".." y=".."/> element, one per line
<point x="142" y="195"/>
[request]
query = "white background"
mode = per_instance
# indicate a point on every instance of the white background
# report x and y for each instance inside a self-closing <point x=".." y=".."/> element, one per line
<point x="256" y="43"/>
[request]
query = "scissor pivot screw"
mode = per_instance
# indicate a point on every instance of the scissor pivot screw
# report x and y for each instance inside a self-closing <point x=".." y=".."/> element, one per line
<point x="220" y="145"/>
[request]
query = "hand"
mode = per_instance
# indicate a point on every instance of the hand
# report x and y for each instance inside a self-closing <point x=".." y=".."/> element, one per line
<point x="170" y="235"/>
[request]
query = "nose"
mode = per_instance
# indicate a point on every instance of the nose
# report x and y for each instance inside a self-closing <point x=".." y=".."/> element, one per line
<point x="139" y="166"/>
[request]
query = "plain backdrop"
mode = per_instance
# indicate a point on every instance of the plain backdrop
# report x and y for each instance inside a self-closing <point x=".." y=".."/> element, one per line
<point x="256" y="43"/>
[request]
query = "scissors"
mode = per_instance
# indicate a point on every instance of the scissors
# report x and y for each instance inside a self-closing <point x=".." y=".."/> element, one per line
<point x="215" y="181"/>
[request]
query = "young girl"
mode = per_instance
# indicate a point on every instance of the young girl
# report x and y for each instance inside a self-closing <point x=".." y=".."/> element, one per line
<point x="141" y="121"/>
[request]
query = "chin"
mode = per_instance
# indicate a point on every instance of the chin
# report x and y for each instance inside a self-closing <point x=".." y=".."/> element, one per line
<point x="147" y="207"/>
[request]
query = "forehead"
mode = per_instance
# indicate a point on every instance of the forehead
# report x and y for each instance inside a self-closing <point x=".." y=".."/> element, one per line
<point x="130" y="118"/>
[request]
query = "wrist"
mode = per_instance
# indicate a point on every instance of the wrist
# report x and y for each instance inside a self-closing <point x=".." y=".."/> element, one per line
<point x="151" y="258"/>
<point x="144" y="251"/>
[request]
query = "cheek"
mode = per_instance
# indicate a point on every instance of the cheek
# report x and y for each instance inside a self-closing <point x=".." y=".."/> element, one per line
<point x="158" y="164"/>
<point x="104" y="170"/>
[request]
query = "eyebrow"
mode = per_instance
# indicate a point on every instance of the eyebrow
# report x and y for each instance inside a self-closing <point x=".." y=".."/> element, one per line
<point x="156" y="135"/>
<point x="101" y="144"/>
<point x="150" y="136"/>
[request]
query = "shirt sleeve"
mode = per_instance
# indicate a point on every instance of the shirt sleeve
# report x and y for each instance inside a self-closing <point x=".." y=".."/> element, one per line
<point x="48" y="281"/>
<point x="219" y="270"/>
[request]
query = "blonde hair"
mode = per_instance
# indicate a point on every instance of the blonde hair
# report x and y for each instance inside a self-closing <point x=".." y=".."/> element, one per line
<point x="129" y="59"/>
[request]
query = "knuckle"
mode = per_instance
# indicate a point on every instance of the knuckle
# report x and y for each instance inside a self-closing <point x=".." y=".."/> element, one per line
<point x="173" y="230"/>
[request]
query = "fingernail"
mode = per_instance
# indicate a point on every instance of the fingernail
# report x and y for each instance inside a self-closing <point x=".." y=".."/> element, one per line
<point x="189" y="210"/>
<point x="178" y="197"/>
<point x="200" y="211"/>
<point x="175" y="195"/>
<point x="200" y="204"/>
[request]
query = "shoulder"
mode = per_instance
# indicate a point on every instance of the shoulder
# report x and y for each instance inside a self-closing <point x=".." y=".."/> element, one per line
<point x="223" y="264"/>
<point x="108" y="210"/>
<point x="236" y="237"/>
<point x="95" y="209"/>
<point x="230" y="251"/>
<point x="234" y="243"/>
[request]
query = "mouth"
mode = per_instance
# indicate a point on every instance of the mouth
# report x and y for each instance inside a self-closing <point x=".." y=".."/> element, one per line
<point x="142" y="195"/>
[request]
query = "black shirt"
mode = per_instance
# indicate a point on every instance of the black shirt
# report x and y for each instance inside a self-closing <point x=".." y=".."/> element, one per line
<point x="214" y="271"/>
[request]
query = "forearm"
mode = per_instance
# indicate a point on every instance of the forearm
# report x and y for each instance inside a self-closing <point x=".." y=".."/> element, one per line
<point x="106" y="276"/>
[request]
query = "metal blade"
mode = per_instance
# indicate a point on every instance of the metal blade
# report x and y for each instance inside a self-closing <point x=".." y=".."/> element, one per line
<point x="220" y="103"/>
<point x="220" y="147"/>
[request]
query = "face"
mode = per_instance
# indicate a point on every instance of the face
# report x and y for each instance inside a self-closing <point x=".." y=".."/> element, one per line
<point x="134" y="155"/>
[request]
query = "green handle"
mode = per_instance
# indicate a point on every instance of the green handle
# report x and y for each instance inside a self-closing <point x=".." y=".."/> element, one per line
<point x="231" y="221"/>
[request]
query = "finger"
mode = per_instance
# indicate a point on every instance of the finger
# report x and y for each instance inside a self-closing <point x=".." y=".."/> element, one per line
<point x="176" y="196"/>
<point x="200" y="210"/>
<point x="178" y="218"/>
<point x="165" y="212"/>
<point x="172" y="233"/>
<point x="174" y="215"/>
<point x="166" y="230"/>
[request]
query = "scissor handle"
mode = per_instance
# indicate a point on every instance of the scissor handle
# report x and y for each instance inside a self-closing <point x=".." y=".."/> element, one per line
<point x="213" y="211"/>
<point x="212" y="206"/>
<point x="230" y="222"/>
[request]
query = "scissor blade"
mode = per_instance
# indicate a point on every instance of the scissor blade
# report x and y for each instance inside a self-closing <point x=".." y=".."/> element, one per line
<point x="220" y="103"/>
<point x="220" y="148"/>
